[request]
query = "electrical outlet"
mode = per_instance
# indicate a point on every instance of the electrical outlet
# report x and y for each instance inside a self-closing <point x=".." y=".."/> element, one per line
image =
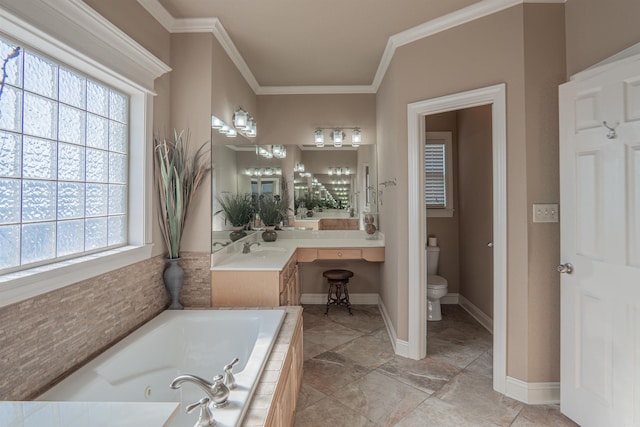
<point x="545" y="212"/>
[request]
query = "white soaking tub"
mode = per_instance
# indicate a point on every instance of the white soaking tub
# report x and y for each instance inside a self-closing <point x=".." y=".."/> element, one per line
<point x="199" y="342"/>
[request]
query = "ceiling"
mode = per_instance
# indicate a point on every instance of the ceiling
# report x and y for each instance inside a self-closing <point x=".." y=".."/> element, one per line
<point x="312" y="42"/>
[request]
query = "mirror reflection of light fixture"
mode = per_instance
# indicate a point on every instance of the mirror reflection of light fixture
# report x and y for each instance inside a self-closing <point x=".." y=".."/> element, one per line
<point x="232" y="133"/>
<point x="319" y="138"/>
<point x="339" y="171"/>
<point x="299" y="167"/>
<point x="338" y="136"/>
<point x="263" y="171"/>
<point x="356" y="137"/>
<point x="216" y="123"/>
<point x="279" y="151"/>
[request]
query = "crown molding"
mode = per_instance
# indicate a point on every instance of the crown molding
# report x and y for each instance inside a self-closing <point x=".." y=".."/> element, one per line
<point x="429" y="28"/>
<point x="315" y="90"/>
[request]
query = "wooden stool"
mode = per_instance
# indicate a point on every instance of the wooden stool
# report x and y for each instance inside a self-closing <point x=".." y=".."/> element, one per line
<point x="338" y="280"/>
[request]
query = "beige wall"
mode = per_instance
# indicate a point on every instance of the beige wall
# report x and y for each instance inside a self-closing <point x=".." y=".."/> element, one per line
<point x="204" y="81"/>
<point x="439" y="65"/>
<point x="597" y="29"/>
<point x="475" y="180"/>
<point x="291" y="119"/>
<point x="446" y="229"/>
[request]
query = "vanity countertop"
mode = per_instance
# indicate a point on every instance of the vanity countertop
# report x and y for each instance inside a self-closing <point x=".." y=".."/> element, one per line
<point x="275" y="255"/>
<point x="107" y="414"/>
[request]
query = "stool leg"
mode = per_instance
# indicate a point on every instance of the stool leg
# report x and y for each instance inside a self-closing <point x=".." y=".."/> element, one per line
<point x="346" y="294"/>
<point x="326" y="313"/>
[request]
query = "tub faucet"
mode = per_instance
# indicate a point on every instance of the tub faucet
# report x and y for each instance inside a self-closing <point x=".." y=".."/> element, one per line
<point x="217" y="392"/>
<point x="229" y="379"/>
<point x="247" y="247"/>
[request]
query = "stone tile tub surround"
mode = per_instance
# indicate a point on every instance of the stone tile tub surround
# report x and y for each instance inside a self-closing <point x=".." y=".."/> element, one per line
<point x="42" y="339"/>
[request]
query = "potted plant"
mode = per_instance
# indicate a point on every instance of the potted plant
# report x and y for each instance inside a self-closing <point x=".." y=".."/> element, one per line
<point x="178" y="174"/>
<point x="272" y="211"/>
<point x="238" y="210"/>
<point x="309" y="202"/>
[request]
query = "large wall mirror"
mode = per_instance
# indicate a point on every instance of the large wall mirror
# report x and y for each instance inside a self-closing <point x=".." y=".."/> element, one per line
<point x="342" y="181"/>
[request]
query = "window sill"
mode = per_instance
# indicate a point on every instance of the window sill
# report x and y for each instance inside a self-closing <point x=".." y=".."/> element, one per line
<point x="439" y="213"/>
<point x="22" y="285"/>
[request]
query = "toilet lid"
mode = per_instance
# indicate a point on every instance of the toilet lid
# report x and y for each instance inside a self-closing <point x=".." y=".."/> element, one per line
<point x="436" y="282"/>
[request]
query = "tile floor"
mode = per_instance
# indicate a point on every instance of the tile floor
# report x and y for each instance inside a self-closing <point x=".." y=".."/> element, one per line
<point x="352" y="377"/>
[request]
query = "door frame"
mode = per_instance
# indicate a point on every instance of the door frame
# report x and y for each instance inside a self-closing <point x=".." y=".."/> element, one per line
<point x="417" y="310"/>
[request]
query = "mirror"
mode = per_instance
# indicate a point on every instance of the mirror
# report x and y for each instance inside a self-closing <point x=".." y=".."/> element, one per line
<point x="238" y="167"/>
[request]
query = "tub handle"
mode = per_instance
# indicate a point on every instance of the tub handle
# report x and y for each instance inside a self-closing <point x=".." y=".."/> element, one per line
<point x="229" y="379"/>
<point x="205" y="419"/>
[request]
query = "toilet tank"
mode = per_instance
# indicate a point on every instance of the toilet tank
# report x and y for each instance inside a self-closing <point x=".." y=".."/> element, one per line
<point x="433" y="255"/>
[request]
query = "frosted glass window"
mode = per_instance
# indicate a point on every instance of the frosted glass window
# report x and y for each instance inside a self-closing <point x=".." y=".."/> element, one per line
<point x="70" y="162"/>
<point x="63" y="162"/>
<point x="97" y="199"/>
<point x="11" y="107"/>
<point x="38" y="242"/>
<point x="97" y="131"/>
<point x="73" y="89"/>
<point x="71" y="125"/>
<point x="14" y="65"/>
<point x="40" y="116"/>
<point x="39" y="158"/>
<point x="71" y="197"/>
<point x="38" y="201"/>
<point x="9" y="201"/>
<point x="10" y="243"/>
<point x="97" y="169"/>
<point x="95" y="232"/>
<point x="97" y="99"/>
<point x="40" y="76"/>
<point x="10" y="154"/>
<point x="117" y="230"/>
<point x="117" y="199"/>
<point x="70" y="237"/>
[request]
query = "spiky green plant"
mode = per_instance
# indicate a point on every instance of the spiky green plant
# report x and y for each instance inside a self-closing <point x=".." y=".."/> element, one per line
<point x="272" y="211"/>
<point x="237" y="208"/>
<point x="178" y="174"/>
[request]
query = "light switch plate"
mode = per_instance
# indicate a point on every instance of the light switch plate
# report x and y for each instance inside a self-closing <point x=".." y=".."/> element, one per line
<point x="545" y="212"/>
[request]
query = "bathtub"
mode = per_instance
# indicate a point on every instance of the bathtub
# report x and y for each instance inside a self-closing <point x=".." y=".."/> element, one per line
<point x="200" y="342"/>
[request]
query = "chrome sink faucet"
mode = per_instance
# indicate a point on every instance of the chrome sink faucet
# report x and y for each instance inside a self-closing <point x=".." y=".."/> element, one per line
<point x="216" y="392"/>
<point x="247" y="247"/>
<point x="221" y="244"/>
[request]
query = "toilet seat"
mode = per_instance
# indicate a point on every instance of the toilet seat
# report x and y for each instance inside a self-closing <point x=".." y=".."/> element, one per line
<point x="436" y="282"/>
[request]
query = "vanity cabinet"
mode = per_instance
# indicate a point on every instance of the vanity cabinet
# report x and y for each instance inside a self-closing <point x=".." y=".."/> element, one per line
<point x="289" y="283"/>
<point x="256" y="288"/>
<point x="283" y="407"/>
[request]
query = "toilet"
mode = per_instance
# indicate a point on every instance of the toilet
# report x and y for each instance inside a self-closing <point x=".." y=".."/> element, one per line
<point x="436" y="285"/>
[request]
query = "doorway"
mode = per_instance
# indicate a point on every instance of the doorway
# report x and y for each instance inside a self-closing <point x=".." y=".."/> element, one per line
<point x="417" y="339"/>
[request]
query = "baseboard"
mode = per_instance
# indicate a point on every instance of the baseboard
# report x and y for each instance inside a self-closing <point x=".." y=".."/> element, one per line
<point x="400" y="347"/>
<point x="450" y="298"/>
<point x="476" y="313"/>
<point x="354" y="299"/>
<point x="533" y="393"/>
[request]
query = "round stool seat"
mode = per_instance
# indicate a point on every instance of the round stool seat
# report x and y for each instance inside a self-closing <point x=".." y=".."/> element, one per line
<point x="338" y="274"/>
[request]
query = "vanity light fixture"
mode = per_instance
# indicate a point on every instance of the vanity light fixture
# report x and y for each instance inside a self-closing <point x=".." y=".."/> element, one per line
<point x="240" y="119"/>
<point x="339" y="171"/>
<point x="232" y="133"/>
<point x="338" y="136"/>
<point x="299" y="167"/>
<point x="319" y="138"/>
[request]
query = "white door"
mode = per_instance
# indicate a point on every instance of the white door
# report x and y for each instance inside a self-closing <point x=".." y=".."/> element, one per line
<point x="600" y="238"/>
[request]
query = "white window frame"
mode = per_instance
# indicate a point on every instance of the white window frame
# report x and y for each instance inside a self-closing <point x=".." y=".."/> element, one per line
<point x="87" y="46"/>
<point x="446" y="139"/>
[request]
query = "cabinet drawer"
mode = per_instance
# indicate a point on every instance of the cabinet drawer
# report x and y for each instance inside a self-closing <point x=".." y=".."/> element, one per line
<point x="307" y="254"/>
<point x="339" y="254"/>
